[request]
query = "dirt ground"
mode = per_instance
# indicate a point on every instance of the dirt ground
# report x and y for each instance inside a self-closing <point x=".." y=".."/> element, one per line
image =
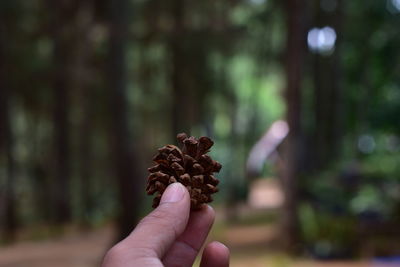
<point x="86" y="250"/>
<point x="77" y="250"/>
<point x="252" y="243"/>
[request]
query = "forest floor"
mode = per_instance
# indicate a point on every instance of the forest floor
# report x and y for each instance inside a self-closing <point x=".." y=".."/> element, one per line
<point x="252" y="239"/>
<point x="248" y="243"/>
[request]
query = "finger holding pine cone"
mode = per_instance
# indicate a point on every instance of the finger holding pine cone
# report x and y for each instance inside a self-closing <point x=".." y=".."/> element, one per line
<point x="189" y="165"/>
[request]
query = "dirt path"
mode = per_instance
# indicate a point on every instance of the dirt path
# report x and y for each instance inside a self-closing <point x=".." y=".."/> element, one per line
<point x="86" y="250"/>
<point x="78" y="250"/>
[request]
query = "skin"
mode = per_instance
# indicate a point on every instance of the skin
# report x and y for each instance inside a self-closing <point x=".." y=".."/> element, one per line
<point x="170" y="236"/>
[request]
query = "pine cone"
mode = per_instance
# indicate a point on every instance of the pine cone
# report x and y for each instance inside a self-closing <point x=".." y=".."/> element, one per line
<point x="190" y="166"/>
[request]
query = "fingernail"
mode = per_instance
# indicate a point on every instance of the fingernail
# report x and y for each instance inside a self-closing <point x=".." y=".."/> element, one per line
<point x="173" y="193"/>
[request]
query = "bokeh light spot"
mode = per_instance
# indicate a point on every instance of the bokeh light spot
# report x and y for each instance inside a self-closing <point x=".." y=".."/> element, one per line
<point x="322" y="40"/>
<point x="366" y="144"/>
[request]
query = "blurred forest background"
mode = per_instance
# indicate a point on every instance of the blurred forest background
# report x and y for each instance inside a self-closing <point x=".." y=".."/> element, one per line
<point x="89" y="89"/>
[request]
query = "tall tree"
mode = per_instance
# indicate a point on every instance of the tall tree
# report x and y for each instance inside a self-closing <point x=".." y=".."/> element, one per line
<point x="7" y="194"/>
<point x="328" y="104"/>
<point x="84" y="91"/>
<point x="181" y="95"/>
<point x="321" y="99"/>
<point x="125" y="163"/>
<point x="295" y="47"/>
<point x="338" y="108"/>
<point x="60" y="20"/>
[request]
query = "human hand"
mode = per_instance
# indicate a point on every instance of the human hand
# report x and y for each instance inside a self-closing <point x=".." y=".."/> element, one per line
<point x="169" y="237"/>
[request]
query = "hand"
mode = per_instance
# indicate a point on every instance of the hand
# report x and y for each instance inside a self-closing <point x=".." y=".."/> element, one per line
<point x="169" y="237"/>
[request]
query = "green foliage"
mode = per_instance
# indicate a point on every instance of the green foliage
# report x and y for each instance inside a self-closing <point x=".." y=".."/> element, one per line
<point x="326" y="234"/>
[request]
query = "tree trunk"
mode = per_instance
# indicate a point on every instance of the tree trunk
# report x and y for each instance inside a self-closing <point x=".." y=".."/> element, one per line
<point x="86" y="158"/>
<point x="295" y="46"/>
<point x="7" y="195"/>
<point x="337" y="84"/>
<point x="181" y="100"/>
<point x="84" y="92"/>
<point x="319" y="74"/>
<point x="127" y="175"/>
<point x="328" y="103"/>
<point x="62" y="213"/>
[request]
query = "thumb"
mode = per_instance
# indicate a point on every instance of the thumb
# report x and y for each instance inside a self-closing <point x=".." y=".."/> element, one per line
<point x="157" y="231"/>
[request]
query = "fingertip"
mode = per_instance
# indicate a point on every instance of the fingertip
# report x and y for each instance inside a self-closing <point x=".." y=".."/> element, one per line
<point x="218" y="247"/>
<point x="215" y="254"/>
<point x="206" y="213"/>
<point x="210" y="209"/>
<point x="205" y="209"/>
<point x="175" y="192"/>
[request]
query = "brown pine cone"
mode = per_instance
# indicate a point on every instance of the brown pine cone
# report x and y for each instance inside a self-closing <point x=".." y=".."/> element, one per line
<point x="190" y="166"/>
